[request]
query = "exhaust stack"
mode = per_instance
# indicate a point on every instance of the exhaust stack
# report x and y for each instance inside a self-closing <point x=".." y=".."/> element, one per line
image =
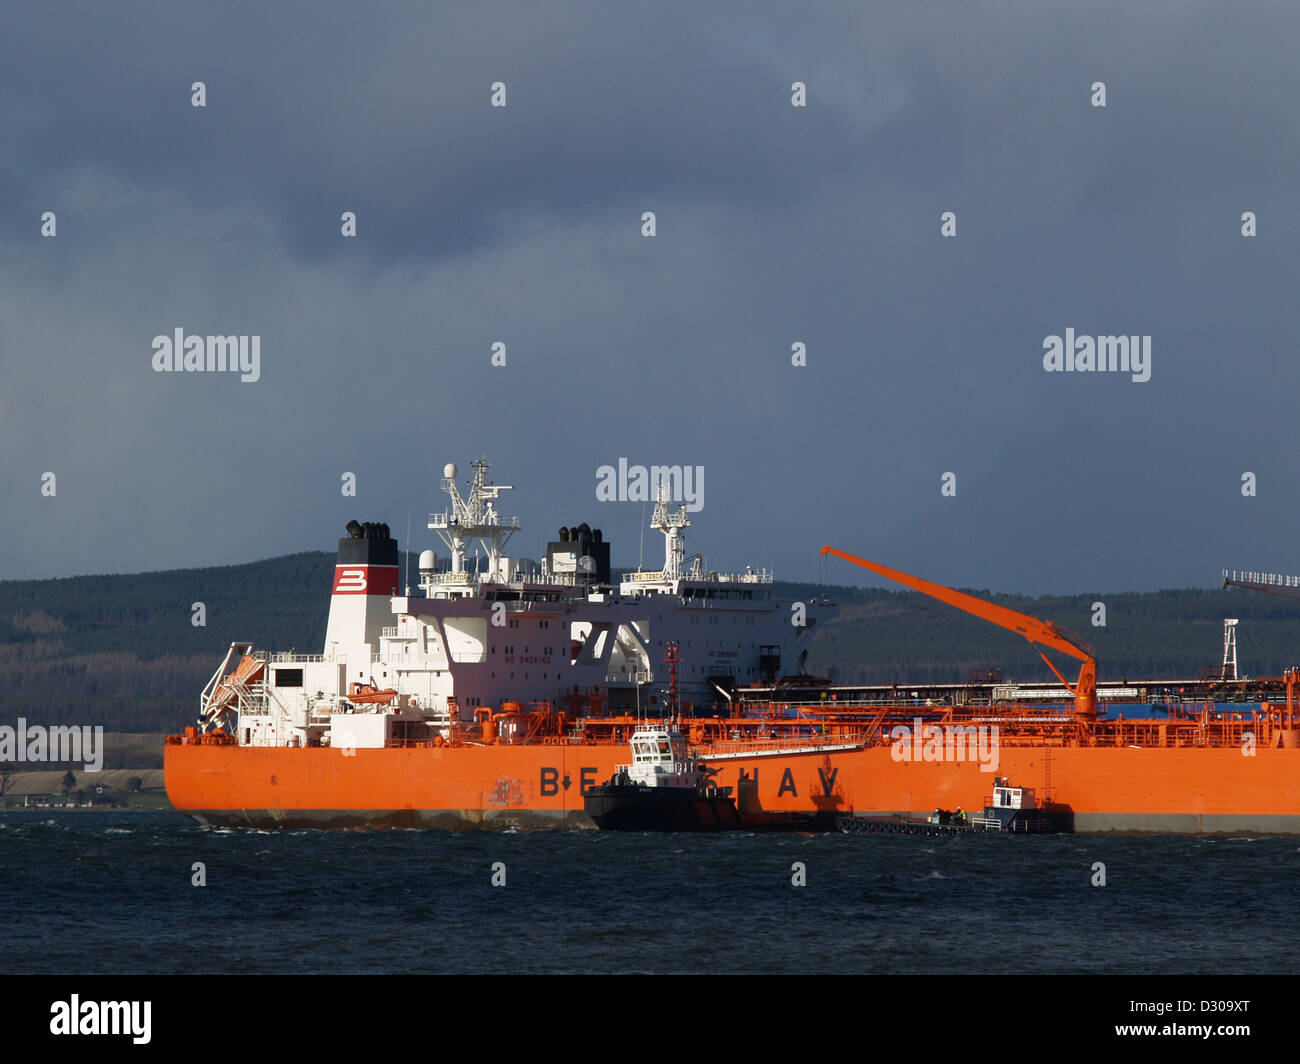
<point x="365" y="579"/>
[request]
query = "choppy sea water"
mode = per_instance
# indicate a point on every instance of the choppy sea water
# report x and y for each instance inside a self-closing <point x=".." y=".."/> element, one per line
<point x="111" y="892"/>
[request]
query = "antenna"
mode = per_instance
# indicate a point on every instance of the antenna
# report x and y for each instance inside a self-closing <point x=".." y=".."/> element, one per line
<point x="406" y="575"/>
<point x="640" y="562"/>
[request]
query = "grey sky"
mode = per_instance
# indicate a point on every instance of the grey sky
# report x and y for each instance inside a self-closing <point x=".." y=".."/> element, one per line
<point x="775" y="224"/>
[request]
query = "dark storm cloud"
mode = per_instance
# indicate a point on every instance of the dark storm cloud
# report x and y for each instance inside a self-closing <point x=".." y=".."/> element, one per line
<point x="310" y="110"/>
<point x="775" y="224"/>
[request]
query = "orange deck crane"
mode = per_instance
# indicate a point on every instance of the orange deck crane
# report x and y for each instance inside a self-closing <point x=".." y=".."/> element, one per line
<point x="1039" y="633"/>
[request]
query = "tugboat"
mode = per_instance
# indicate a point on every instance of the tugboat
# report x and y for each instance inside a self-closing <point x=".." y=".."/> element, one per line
<point x="663" y="789"/>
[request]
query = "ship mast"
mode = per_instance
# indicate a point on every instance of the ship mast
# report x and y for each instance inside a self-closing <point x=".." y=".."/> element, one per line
<point x="672" y="658"/>
<point x="473" y="517"/>
<point x="672" y="525"/>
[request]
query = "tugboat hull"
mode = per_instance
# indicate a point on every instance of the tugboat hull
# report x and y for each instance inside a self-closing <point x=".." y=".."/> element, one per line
<point x="633" y="808"/>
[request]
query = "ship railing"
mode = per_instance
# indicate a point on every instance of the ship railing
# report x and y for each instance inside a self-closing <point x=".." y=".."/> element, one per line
<point x="759" y="576"/>
<point x="765" y="746"/>
<point x="280" y="656"/>
<point x="409" y="743"/>
<point x="520" y="577"/>
<point x="447" y="519"/>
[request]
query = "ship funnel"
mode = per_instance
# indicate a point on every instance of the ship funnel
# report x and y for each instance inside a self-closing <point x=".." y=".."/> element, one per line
<point x="365" y="578"/>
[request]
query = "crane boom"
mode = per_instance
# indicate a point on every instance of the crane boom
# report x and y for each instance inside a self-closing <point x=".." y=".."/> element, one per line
<point x="1268" y="589"/>
<point x="1038" y="633"/>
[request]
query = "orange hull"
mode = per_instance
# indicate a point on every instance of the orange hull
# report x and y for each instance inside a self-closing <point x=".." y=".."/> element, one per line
<point x="1210" y="790"/>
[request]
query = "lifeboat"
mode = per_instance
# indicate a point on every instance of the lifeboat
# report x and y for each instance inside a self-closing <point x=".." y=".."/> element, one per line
<point x="367" y="694"/>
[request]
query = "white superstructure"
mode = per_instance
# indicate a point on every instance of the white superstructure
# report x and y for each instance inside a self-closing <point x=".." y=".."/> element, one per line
<point x="660" y="759"/>
<point x="398" y="666"/>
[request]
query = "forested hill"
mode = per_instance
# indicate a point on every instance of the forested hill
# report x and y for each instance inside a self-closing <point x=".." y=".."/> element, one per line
<point x="887" y="636"/>
<point x="122" y="651"/>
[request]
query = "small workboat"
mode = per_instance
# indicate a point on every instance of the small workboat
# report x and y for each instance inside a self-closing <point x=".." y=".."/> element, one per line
<point x="664" y="788"/>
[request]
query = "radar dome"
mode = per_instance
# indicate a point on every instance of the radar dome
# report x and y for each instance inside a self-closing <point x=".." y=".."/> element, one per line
<point x="449" y="471"/>
<point x="587" y="565"/>
<point x="427" y="561"/>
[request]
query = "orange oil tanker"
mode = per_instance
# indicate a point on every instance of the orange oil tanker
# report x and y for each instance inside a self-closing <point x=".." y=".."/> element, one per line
<point x="1183" y="773"/>
<point x="496" y="697"/>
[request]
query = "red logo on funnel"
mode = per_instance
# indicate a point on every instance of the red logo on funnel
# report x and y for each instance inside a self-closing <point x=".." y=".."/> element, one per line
<point x="365" y="580"/>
